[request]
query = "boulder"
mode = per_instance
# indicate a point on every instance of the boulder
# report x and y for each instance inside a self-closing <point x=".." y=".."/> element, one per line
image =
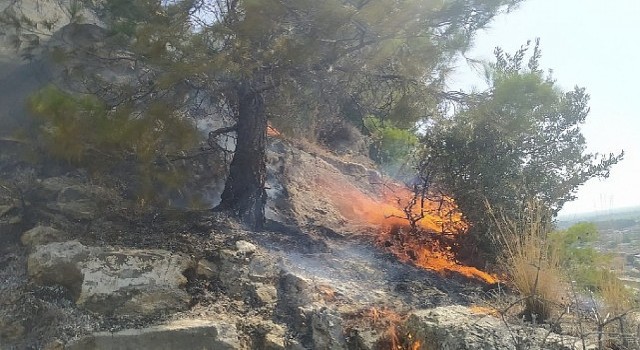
<point x="244" y="270"/>
<point x="206" y="269"/>
<point x="75" y="199"/>
<point x="114" y="282"/>
<point x="52" y="186"/>
<point x="326" y="330"/>
<point x="265" y="294"/>
<point x="135" y="282"/>
<point x="245" y="248"/>
<point x="10" y="220"/>
<point x="178" y="335"/>
<point x="459" y="328"/>
<point x="40" y="235"/>
<point x="269" y="336"/>
<point x="59" y="263"/>
<point x="79" y="202"/>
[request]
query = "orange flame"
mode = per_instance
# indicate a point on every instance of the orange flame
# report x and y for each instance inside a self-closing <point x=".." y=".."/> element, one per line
<point x="439" y="222"/>
<point x="271" y="131"/>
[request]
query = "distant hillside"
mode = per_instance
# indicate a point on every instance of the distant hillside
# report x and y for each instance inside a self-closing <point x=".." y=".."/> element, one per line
<point x="607" y="219"/>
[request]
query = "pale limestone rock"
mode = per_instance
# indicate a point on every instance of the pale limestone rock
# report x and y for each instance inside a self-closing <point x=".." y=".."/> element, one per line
<point x="178" y="335"/>
<point x="459" y="328"/>
<point x="274" y="339"/>
<point x="327" y="331"/>
<point x="266" y="294"/>
<point x="59" y="263"/>
<point x="121" y="282"/>
<point x="146" y="281"/>
<point x="245" y="248"/>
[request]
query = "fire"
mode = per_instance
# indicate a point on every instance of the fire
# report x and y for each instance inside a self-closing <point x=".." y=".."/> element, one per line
<point x="483" y="310"/>
<point x="427" y="243"/>
<point x="327" y="292"/>
<point x="271" y="131"/>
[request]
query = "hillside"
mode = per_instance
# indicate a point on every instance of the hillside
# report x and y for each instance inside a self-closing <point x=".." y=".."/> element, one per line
<point x="163" y="189"/>
<point x="83" y="272"/>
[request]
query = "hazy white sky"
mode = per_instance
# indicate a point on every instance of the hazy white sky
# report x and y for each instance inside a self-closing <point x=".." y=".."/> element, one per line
<point x="593" y="44"/>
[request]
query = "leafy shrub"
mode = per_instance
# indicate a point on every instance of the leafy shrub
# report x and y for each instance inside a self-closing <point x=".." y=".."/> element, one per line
<point x="84" y="132"/>
<point x="590" y="269"/>
<point x="392" y="147"/>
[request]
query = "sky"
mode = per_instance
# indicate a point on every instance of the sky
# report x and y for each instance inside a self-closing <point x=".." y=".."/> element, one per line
<point x="593" y="44"/>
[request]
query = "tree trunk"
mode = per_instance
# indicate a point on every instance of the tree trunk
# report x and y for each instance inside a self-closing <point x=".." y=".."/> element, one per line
<point x="244" y="194"/>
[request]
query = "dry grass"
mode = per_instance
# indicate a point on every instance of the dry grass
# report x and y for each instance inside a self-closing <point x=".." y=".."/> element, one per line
<point x="533" y="268"/>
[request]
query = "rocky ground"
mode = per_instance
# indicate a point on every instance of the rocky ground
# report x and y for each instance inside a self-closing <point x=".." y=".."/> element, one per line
<point x="82" y="268"/>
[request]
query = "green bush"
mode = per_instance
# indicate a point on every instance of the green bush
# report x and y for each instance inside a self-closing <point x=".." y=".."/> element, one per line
<point x="392" y="147"/>
<point x="589" y="268"/>
<point x="83" y="132"/>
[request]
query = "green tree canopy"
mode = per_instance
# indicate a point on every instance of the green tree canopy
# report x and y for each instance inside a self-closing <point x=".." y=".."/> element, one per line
<point x="518" y="141"/>
<point x="298" y="61"/>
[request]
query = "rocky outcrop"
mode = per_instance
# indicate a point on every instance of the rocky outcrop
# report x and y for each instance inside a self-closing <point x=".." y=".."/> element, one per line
<point x="46" y="17"/>
<point x="10" y="219"/>
<point x="19" y="78"/>
<point x="245" y="273"/>
<point x="41" y="235"/>
<point x="460" y="328"/>
<point x="111" y="281"/>
<point x="75" y="200"/>
<point x="183" y="334"/>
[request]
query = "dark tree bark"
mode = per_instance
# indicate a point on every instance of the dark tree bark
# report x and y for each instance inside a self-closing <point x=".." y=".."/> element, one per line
<point x="244" y="193"/>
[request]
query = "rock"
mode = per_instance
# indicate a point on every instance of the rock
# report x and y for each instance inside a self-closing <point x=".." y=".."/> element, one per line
<point x="269" y="336"/>
<point x="206" y="269"/>
<point x="296" y="289"/>
<point x="40" y="235"/>
<point x="11" y="330"/>
<point x="265" y="294"/>
<point x="36" y="12"/>
<point x="294" y="344"/>
<point x="263" y="269"/>
<point x="74" y="199"/>
<point x="178" y="335"/>
<point x="78" y="202"/>
<point x="239" y="269"/>
<point x="59" y="263"/>
<point x="366" y="339"/>
<point x="114" y="282"/>
<point x="134" y="282"/>
<point x="6" y="209"/>
<point x="274" y="340"/>
<point x="458" y="328"/>
<point x="10" y="219"/>
<point x="52" y="186"/>
<point x="56" y="344"/>
<point x="326" y="330"/>
<point x="245" y="248"/>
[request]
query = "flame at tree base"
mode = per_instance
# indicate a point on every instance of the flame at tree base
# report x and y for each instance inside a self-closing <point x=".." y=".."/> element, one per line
<point x="429" y="242"/>
<point x="430" y="251"/>
<point x="426" y="232"/>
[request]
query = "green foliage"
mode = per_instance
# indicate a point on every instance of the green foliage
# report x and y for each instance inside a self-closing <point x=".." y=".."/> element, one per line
<point x="520" y="139"/>
<point x="304" y="61"/>
<point x="589" y="268"/>
<point x="391" y="147"/>
<point x="82" y="131"/>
